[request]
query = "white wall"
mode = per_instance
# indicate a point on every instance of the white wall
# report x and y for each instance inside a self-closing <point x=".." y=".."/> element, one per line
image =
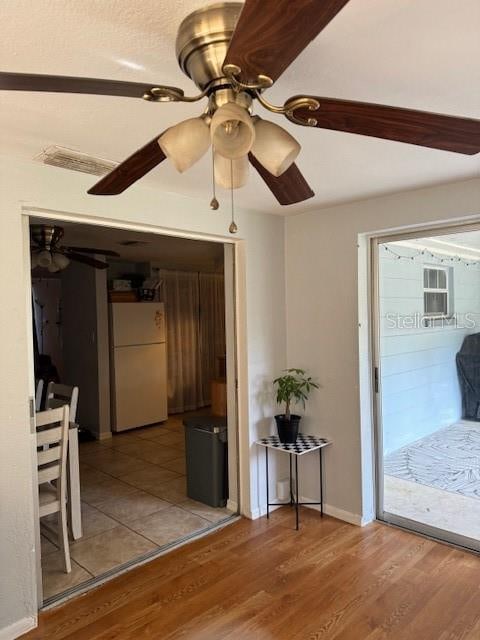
<point x="34" y="185"/>
<point x="419" y="381"/>
<point x="86" y="348"/>
<point x="322" y="284"/>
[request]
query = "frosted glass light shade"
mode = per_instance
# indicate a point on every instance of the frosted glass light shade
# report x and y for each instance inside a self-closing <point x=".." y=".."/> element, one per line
<point x="185" y="143"/>
<point x="52" y="267"/>
<point x="274" y="147"/>
<point x="44" y="258"/>
<point x="232" y="131"/>
<point x="223" y="171"/>
<point x="60" y="261"/>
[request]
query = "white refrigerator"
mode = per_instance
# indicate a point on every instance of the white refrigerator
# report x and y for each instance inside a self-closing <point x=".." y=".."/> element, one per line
<point x="138" y="364"/>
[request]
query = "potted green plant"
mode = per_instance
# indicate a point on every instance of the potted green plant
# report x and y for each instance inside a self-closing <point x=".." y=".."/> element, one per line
<point x="292" y="388"/>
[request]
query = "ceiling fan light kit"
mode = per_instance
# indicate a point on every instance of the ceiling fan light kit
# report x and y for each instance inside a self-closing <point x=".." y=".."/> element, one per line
<point x="185" y="143"/>
<point x="274" y="147"/>
<point x="232" y="131"/>
<point x="60" y="261"/>
<point x="52" y="267"/>
<point x="230" y="174"/>
<point x="44" y="259"/>
<point x="233" y="52"/>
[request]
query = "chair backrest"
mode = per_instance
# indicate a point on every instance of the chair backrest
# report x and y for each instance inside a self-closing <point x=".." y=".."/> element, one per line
<point x="60" y="394"/>
<point x="52" y="446"/>
<point x="38" y="394"/>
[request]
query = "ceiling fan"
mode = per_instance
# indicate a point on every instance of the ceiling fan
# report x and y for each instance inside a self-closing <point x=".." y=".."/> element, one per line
<point x="233" y="52"/>
<point x="47" y="252"/>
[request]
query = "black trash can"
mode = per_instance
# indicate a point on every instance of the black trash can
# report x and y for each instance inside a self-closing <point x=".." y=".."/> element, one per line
<point x="206" y="456"/>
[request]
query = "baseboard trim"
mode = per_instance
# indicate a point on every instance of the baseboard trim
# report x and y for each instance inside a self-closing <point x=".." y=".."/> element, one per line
<point x="232" y="505"/>
<point x="260" y="511"/>
<point x="18" y="628"/>
<point x="329" y="510"/>
<point x="340" y="514"/>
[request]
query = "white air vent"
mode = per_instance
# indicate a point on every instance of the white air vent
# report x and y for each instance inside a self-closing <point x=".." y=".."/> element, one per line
<point x="75" y="161"/>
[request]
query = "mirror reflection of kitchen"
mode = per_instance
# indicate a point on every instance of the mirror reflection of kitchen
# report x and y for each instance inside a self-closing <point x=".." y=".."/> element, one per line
<point x="130" y="333"/>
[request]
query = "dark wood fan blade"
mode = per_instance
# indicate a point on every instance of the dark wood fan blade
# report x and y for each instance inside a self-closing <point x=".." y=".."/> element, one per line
<point x="437" y="131"/>
<point x="97" y="264"/>
<point x="130" y="170"/>
<point x="270" y="34"/>
<point x="289" y="188"/>
<point x="72" y="84"/>
<point x="101" y="252"/>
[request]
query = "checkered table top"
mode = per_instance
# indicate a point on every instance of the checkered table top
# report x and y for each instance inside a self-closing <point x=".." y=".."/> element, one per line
<point x="304" y="444"/>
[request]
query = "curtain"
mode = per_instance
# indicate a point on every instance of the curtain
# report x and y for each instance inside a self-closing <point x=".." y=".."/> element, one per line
<point x="181" y="297"/>
<point x="195" y="314"/>
<point x="212" y="327"/>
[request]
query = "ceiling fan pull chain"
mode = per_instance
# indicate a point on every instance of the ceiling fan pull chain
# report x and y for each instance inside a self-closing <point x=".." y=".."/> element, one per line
<point x="233" y="227"/>
<point x="214" y="204"/>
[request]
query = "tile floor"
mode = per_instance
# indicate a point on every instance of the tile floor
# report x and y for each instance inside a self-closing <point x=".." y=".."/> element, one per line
<point x="134" y="501"/>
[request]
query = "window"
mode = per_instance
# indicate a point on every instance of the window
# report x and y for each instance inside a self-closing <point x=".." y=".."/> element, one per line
<point x="435" y="292"/>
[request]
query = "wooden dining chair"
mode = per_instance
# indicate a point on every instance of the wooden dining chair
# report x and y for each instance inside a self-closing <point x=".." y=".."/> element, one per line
<point x="60" y="394"/>
<point x="52" y="446"/>
<point x="39" y="384"/>
<point x="57" y="395"/>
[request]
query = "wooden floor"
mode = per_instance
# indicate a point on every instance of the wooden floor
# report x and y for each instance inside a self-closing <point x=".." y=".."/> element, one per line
<point x="262" y="580"/>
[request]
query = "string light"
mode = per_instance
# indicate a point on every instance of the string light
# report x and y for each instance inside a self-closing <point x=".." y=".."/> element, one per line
<point x="441" y="258"/>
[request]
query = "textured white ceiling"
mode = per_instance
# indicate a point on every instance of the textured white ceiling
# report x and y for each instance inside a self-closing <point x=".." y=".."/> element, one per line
<point x="167" y="251"/>
<point x="422" y="54"/>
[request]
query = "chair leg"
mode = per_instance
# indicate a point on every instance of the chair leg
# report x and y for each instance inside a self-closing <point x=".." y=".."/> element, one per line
<point x="63" y="536"/>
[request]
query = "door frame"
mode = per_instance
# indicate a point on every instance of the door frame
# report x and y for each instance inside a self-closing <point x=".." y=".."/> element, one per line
<point x="237" y="360"/>
<point x="375" y="240"/>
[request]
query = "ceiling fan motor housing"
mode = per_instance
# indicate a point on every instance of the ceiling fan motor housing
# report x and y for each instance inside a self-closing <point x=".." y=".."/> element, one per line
<point x="46" y="236"/>
<point x="202" y="42"/>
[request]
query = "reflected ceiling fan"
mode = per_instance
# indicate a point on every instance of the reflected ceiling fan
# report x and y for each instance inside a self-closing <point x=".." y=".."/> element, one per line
<point x="233" y="52"/>
<point x="47" y="252"/>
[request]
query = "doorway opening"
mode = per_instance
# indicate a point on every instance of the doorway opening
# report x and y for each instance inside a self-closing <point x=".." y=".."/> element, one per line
<point x="135" y="332"/>
<point x="427" y="374"/>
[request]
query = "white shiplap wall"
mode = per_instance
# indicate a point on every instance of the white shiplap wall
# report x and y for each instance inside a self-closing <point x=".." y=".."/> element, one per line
<point x="419" y="383"/>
